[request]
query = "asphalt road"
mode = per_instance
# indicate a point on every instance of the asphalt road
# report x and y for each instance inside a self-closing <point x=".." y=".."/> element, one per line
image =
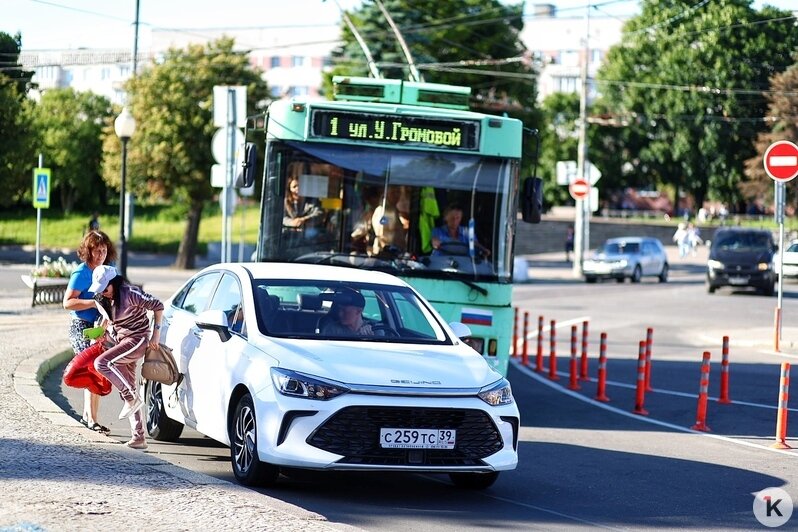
<point x="585" y="464"/>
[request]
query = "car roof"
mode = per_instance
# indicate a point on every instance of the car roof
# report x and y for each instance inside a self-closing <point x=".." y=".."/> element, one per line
<point x="315" y="272"/>
<point x="630" y="239"/>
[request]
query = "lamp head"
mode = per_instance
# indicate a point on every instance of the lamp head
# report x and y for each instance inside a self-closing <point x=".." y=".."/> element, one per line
<point x="125" y="124"/>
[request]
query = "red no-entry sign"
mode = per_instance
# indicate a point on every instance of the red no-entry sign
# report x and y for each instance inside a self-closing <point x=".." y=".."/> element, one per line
<point x="579" y="189"/>
<point x="781" y="161"/>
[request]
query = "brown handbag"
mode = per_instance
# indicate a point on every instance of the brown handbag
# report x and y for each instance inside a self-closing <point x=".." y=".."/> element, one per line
<point x="160" y="366"/>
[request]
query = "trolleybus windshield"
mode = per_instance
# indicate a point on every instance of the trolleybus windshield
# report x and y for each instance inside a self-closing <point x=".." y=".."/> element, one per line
<point x="382" y="208"/>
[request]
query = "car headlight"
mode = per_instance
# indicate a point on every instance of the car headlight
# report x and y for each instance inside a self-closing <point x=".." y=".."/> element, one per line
<point x="763" y="266"/>
<point x="497" y="394"/>
<point x="715" y="264"/>
<point x="294" y="384"/>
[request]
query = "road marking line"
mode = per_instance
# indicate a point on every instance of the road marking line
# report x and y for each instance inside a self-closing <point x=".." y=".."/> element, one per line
<point x="544" y="380"/>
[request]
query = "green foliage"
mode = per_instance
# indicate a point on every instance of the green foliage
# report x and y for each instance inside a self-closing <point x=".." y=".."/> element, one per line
<point x="16" y="149"/>
<point x="439" y="34"/>
<point x="169" y="155"/>
<point x="69" y="126"/>
<point x="685" y="78"/>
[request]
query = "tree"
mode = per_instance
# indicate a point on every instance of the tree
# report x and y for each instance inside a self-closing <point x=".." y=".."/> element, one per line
<point x="69" y="126"/>
<point x="169" y="155"/>
<point x="688" y="78"/>
<point x="473" y="43"/>
<point x="16" y="149"/>
<point x="783" y="111"/>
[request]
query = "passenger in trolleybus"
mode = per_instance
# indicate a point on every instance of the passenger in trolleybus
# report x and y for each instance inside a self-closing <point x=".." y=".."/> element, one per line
<point x="347" y="184"/>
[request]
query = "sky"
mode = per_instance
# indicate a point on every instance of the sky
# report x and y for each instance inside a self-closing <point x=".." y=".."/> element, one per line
<point x="69" y="24"/>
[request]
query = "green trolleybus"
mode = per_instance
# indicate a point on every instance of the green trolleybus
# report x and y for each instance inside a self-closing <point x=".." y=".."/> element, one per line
<point x="400" y="176"/>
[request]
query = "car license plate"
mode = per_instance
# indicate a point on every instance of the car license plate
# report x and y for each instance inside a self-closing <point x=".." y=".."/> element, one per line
<point x="417" y="438"/>
<point x="738" y="280"/>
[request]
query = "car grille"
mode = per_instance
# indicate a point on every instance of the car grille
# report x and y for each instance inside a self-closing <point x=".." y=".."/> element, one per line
<point x="354" y="432"/>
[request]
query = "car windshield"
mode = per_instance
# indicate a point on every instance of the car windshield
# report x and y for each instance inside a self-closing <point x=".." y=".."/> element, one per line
<point x="742" y="241"/>
<point x="344" y="310"/>
<point x="616" y="248"/>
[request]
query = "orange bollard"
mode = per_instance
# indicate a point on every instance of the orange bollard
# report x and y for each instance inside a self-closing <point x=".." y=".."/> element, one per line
<point x="640" y="393"/>
<point x="724" y="373"/>
<point x="573" y="384"/>
<point x="539" y="354"/>
<point x="649" y="341"/>
<point x="781" y="418"/>
<point x="583" y="366"/>
<point x="553" y="351"/>
<point x="515" y="331"/>
<point x="601" y="390"/>
<point x="703" y="390"/>
<point x="524" y="352"/>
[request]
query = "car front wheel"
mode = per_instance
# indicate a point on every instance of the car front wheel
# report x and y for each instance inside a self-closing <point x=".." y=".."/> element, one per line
<point x="663" y="275"/>
<point x="637" y="274"/>
<point x="159" y="426"/>
<point x="474" y="481"/>
<point x="247" y="467"/>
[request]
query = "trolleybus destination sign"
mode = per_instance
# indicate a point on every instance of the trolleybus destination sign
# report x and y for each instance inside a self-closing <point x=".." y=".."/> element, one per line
<point x="393" y="129"/>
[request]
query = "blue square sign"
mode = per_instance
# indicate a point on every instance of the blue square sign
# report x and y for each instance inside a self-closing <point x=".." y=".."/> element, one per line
<point x="41" y="188"/>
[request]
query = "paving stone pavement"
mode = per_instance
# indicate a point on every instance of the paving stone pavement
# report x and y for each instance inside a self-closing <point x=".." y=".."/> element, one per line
<point x="56" y="475"/>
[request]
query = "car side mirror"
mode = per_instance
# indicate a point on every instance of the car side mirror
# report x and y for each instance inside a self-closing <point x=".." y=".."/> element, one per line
<point x="215" y="320"/>
<point x="532" y="200"/>
<point x="461" y="330"/>
<point x="246" y="176"/>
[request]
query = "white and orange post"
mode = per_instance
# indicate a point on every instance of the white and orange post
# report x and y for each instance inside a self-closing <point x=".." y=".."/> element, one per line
<point x="723" y="398"/>
<point x="703" y="392"/>
<point x="640" y="392"/>
<point x="649" y="341"/>
<point x="573" y="383"/>
<point x="583" y="366"/>
<point x="601" y="389"/>
<point x="524" y="352"/>
<point x="553" y="351"/>
<point x="539" y="353"/>
<point x="781" y="417"/>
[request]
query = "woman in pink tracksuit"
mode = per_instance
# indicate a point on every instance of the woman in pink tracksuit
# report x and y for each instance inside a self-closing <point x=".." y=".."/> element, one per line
<point x="127" y="336"/>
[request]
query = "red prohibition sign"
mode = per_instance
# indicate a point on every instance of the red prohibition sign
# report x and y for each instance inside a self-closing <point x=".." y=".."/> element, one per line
<point x="781" y="161"/>
<point x="579" y="189"/>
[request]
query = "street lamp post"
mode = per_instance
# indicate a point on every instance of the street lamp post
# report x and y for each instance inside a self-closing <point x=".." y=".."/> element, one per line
<point x="124" y="126"/>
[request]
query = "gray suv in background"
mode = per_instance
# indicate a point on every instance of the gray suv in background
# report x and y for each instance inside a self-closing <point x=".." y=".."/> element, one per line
<point x="741" y="257"/>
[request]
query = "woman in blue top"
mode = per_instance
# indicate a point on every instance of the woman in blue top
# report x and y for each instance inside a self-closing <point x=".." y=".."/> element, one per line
<point x="95" y="249"/>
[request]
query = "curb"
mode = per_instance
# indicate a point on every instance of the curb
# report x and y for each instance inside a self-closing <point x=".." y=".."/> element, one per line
<point x="30" y="374"/>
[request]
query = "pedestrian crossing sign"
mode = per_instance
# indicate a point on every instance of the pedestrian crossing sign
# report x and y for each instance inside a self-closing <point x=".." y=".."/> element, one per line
<point x="41" y="188"/>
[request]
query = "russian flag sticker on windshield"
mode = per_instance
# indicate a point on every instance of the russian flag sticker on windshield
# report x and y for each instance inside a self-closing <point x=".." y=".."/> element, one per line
<point x="475" y="316"/>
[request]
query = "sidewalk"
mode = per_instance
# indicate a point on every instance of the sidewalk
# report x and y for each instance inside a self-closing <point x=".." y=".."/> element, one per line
<point x="56" y="475"/>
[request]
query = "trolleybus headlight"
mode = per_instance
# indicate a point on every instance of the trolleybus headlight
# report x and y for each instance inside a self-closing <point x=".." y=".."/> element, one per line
<point x="497" y="394"/>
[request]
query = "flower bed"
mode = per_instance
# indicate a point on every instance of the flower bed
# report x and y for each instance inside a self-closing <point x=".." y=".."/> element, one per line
<point x="49" y="280"/>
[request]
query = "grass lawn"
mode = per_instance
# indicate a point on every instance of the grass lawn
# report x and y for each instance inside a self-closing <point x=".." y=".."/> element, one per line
<point x="155" y="229"/>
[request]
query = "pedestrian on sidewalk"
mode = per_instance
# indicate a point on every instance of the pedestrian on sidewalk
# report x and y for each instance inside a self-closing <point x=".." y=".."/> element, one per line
<point x="126" y="311"/>
<point x="95" y="249"/>
<point x="682" y="240"/>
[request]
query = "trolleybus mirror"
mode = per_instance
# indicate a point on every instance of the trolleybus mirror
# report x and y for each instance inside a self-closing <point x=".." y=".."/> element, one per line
<point x="246" y="176"/>
<point x="532" y="200"/>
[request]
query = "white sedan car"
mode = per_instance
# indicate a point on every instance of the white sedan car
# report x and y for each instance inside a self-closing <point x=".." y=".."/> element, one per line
<point x="268" y="376"/>
<point x="790" y="260"/>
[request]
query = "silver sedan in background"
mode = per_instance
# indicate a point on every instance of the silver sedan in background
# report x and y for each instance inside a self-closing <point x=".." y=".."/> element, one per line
<point x="627" y="257"/>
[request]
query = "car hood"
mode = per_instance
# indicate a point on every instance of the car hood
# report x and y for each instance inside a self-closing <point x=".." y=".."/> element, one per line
<point x="746" y="256"/>
<point x="384" y="364"/>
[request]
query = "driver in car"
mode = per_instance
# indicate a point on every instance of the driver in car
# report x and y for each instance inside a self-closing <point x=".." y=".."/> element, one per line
<point x="346" y="316"/>
<point x="452" y="231"/>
